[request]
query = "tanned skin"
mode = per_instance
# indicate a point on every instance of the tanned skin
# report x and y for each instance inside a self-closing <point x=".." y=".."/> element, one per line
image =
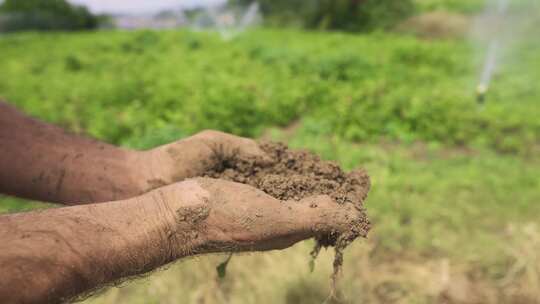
<point x="55" y="255"/>
<point x="43" y="162"/>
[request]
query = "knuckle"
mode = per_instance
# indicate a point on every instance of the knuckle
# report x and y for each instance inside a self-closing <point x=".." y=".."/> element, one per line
<point x="214" y="136"/>
<point x="208" y="133"/>
<point x="216" y="133"/>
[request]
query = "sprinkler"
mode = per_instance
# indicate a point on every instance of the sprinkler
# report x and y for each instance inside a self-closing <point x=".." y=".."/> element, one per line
<point x="493" y="50"/>
<point x="481" y="91"/>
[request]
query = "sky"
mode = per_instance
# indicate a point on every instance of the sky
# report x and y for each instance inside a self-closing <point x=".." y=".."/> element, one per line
<point x="139" y="6"/>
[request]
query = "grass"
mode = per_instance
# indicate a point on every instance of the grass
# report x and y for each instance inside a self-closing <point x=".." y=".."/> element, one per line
<point x="12" y="204"/>
<point x="455" y="186"/>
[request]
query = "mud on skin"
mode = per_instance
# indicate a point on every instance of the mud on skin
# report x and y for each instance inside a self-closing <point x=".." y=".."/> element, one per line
<point x="297" y="174"/>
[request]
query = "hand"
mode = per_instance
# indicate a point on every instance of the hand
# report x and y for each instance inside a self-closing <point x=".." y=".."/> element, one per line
<point x="230" y="217"/>
<point x="193" y="156"/>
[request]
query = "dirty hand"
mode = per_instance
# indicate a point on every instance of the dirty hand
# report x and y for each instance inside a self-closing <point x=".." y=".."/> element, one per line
<point x="193" y="156"/>
<point x="223" y="216"/>
<point x="126" y="238"/>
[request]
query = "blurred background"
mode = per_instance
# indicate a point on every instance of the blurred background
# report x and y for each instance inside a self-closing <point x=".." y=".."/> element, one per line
<point x="437" y="99"/>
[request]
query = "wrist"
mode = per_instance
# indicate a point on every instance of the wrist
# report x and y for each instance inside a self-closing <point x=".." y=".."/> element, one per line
<point x="148" y="170"/>
<point x="182" y="211"/>
<point x="92" y="175"/>
<point x="137" y="237"/>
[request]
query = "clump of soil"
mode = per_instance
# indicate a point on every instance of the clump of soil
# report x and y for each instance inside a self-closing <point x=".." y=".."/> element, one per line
<point x="296" y="174"/>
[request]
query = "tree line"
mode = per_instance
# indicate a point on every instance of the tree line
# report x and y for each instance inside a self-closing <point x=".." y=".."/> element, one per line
<point x="346" y="15"/>
<point x="18" y="15"/>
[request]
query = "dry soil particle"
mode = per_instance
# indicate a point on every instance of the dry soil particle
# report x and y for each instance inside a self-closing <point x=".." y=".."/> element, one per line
<point x="296" y="174"/>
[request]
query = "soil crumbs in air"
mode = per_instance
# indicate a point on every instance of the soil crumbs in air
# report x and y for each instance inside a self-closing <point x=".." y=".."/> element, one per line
<point x="297" y="174"/>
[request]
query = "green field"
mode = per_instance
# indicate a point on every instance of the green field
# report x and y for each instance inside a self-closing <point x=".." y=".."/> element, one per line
<point x="455" y="198"/>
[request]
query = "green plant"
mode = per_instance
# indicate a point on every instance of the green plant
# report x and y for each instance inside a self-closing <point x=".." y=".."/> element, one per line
<point x="346" y="15"/>
<point x="16" y="15"/>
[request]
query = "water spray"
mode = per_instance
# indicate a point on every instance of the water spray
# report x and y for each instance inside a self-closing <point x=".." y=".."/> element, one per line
<point x="228" y="23"/>
<point x="487" y="72"/>
<point x="492" y="54"/>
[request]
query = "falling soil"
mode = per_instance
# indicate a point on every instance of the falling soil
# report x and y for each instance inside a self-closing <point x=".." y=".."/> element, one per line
<point x="297" y="174"/>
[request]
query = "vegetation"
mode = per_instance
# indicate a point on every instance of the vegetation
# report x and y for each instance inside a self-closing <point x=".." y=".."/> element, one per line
<point x="455" y="186"/>
<point x="347" y="15"/>
<point x="16" y="15"/>
<point x="360" y="88"/>
<point x="460" y="6"/>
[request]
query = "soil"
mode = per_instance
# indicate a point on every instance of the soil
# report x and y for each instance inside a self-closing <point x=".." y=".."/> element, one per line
<point x="436" y="25"/>
<point x="296" y="174"/>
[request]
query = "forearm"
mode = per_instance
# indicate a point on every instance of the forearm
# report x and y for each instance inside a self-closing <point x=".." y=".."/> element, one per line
<point x="43" y="162"/>
<point x="56" y="254"/>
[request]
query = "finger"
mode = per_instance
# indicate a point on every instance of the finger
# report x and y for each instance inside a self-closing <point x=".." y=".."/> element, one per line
<point x="251" y="149"/>
<point x="321" y="215"/>
<point x="247" y="149"/>
<point x="318" y="216"/>
<point x="229" y="146"/>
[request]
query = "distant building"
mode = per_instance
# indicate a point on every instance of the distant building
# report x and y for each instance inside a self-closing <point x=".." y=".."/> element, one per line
<point x="163" y="20"/>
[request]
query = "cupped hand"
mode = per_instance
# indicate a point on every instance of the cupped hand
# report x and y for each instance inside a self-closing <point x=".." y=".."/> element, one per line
<point x="193" y="156"/>
<point x="232" y="217"/>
